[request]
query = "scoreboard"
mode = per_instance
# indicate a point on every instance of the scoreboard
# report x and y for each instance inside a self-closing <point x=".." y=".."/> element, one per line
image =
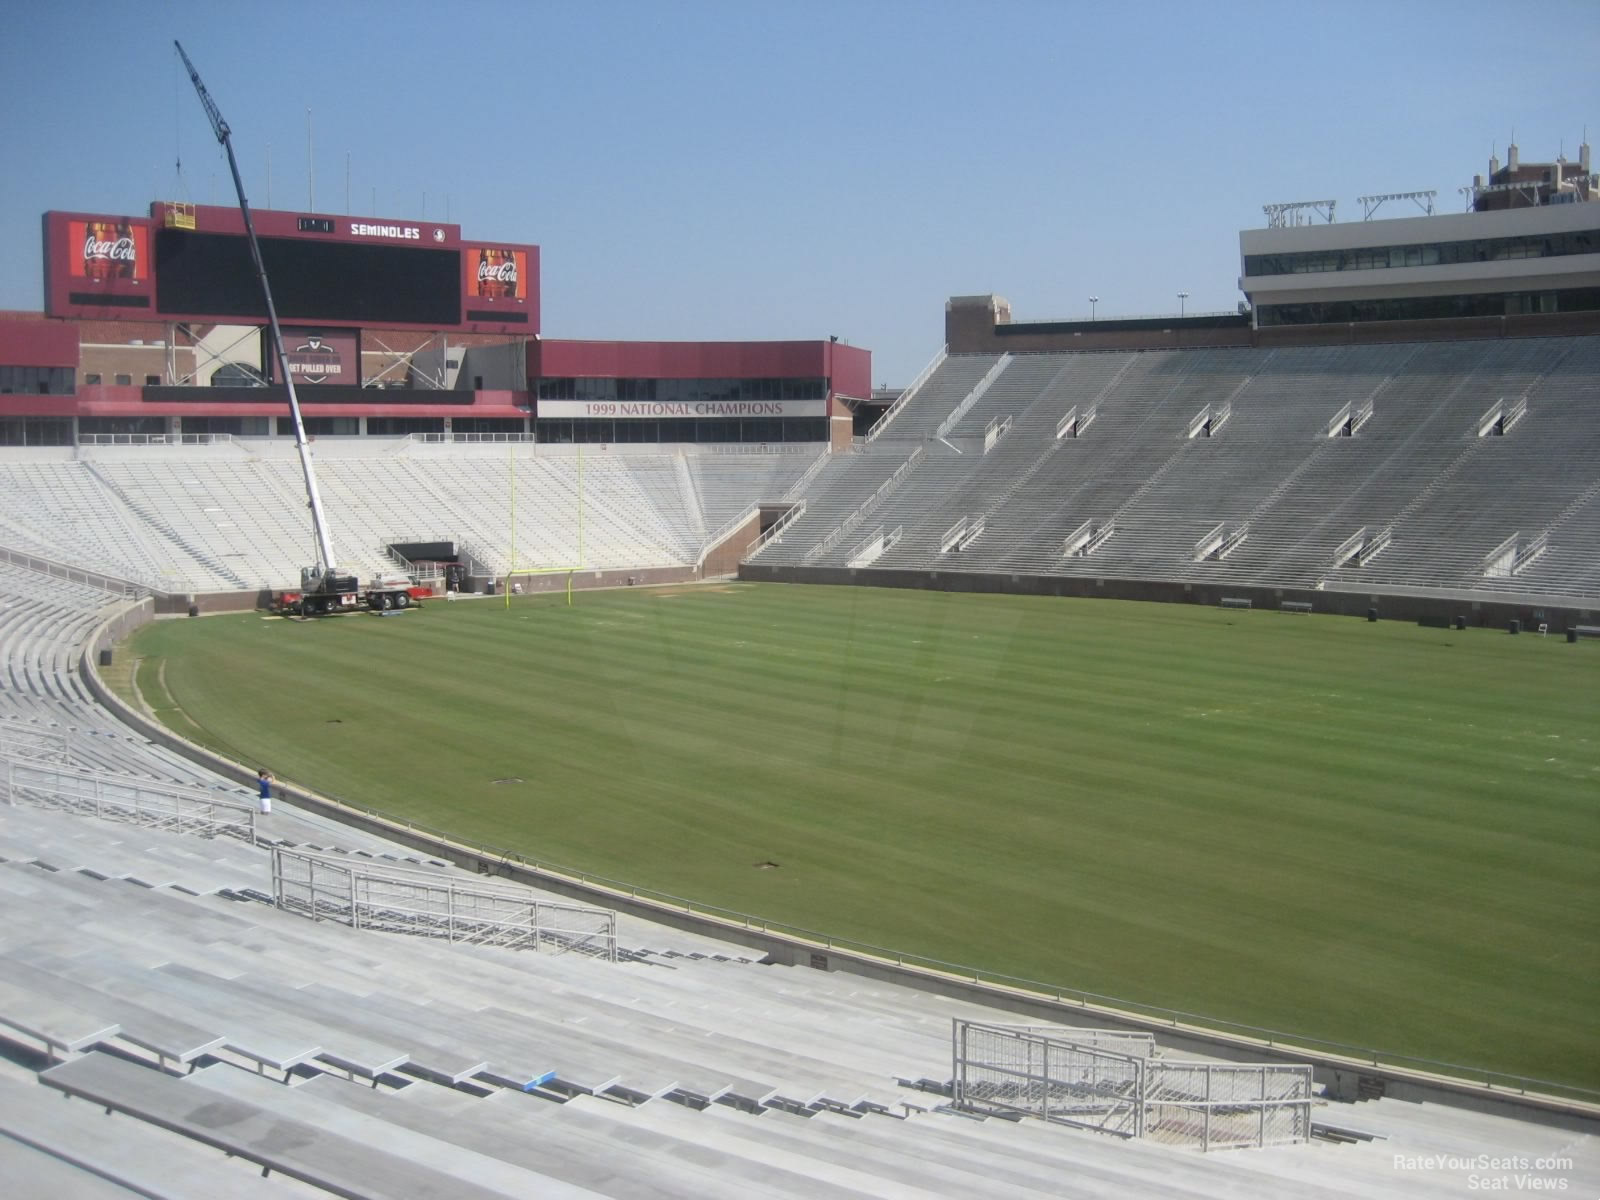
<point x="192" y="263"/>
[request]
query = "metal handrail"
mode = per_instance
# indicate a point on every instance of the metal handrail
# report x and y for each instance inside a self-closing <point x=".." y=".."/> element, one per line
<point x="460" y="918"/>
<point x="866" y="507"/>
<point x="113" y="584"/>
<point x="154" y="439"/>
<point x="901" y="400"/>
<point x="806" y="476"/>
<point x="128" y="797"/>
<point x="774" y="532"/>
<point x="713" y="540"/>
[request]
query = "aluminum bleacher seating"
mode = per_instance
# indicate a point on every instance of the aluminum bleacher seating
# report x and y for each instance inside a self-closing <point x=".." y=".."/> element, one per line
<point x="1416" y="467"/>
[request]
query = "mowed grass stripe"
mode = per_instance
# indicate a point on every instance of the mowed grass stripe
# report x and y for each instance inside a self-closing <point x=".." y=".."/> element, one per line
<point x="1373" y="833"/>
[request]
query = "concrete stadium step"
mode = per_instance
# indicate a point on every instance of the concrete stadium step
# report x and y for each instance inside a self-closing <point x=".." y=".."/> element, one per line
<point x="127" y="1157"/>
<point x="561" y="984"/>
<point x="874" y="1156"/>
<point x="257" y="1133"/>
<point x="528" y="1134"/>
<point x="149" y="1028"/>
<point x="32" y="1172"/>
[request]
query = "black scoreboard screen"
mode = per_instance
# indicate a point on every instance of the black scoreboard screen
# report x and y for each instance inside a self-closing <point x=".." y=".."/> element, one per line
<point x="211" y="275"/>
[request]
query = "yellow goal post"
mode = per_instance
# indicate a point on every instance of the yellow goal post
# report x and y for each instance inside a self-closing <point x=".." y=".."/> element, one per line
<point x="514" y="571"/>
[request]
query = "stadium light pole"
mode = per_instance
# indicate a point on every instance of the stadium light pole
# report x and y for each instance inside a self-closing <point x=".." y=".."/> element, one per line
<point x="1093" y="301"/>
<point x="1182" y="296"/>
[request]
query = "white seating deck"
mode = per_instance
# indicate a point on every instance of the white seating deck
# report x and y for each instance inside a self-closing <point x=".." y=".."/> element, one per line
<point x="186" y="519"/>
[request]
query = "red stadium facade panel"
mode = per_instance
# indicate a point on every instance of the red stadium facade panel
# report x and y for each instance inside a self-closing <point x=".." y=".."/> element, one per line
<point x="850" y="371"/>
<point x="399" y="320"/>
<point x="192" y="263"/>
<point x="28" y="340"/>
<point x="847" y="371"/>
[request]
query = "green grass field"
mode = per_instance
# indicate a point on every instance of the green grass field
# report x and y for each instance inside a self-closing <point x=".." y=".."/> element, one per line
<point x="1370" y="833"/>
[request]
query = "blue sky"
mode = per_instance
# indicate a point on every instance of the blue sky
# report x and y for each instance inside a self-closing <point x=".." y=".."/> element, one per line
<point x="763" y="170"/>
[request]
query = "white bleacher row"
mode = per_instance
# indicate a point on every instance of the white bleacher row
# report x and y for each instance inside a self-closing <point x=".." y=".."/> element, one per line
<point x="697" y="1073"/>
<point x="687" y="1070"/>
<point x="187" y="519"/>
<point x="1417" y="466"/>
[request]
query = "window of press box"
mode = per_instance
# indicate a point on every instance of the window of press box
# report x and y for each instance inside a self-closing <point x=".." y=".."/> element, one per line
<point x="745" y="430"/>
<point x="40" y="381"/>
<point x="36" y="431"/>
<point x="1426" y="308"/>
<point x="1425" y="254"/>
<point x="683" y="391"/>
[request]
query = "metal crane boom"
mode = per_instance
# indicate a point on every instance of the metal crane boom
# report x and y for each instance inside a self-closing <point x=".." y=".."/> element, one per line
<point x="325" y="563"/>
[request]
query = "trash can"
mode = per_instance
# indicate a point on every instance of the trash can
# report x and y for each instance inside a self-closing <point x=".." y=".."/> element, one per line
<point x="1515" y="626"/>
<point x="105" y="657"/>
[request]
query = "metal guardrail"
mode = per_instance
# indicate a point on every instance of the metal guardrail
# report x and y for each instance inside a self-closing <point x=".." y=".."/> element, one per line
<point x="126" y="798"/>
<point x="806" y="476"/>
<point x="111" y="584"/>
<point x="970" y="400"/>
<point x="715" y="539"/>
<point x="436" y="438"/>
<point x="154" y="439"/>
<point x="844" y="527"/>
<point x="774" y="532"/>
<point x="37" y="745"/>
<point x="1120" y="1084"/>
<point x="737" y="448"/>
<point x="427" y="904"/>
<point x="904" y="397"/>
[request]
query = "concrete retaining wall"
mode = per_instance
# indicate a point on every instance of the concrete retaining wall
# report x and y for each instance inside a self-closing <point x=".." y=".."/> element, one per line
<point x="1494" y="612"/>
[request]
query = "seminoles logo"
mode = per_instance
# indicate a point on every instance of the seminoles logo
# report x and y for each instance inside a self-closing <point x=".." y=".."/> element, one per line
<point x="315" y="362"/>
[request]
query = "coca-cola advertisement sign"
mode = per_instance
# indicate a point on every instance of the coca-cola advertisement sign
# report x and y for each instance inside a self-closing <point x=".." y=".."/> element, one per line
<point x="496" y="273"/>
<point x="109" y="251"/>
<point x="319" y="356"/>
